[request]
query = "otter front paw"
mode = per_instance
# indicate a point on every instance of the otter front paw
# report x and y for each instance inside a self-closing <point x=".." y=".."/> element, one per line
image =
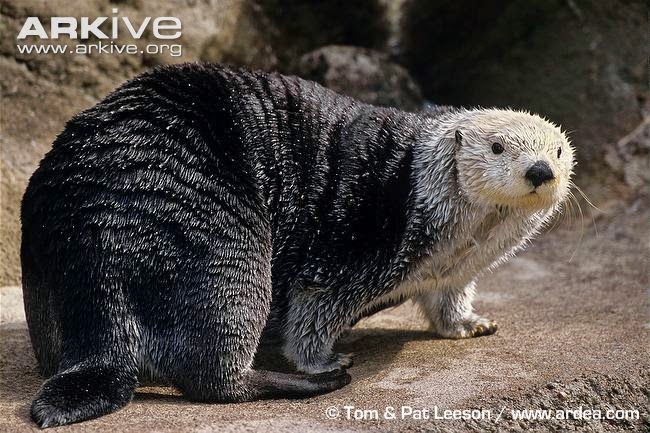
<point x="475" y="326"/>
<point x="337" y="361"/>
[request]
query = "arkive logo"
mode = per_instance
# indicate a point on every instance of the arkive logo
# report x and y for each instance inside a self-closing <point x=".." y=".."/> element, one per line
<point x="100" y="35"/>
<point x="84" y="28"/>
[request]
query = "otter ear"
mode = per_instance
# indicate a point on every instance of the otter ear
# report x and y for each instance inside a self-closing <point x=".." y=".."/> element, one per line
<point x="459" y="137"/>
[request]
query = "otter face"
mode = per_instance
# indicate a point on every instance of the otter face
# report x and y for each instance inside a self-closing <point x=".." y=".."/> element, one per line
<point x="514" y="159"/>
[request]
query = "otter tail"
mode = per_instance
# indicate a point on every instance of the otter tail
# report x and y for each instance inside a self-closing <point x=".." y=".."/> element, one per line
<point x="82" y="392"/>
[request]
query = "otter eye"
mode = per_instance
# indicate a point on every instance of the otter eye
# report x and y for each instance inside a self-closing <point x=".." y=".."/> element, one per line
<point x="497" y="148"/>
<point x="559" y="151"/>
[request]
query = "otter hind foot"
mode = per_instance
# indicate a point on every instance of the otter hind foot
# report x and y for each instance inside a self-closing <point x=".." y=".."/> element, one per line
<point x="344" y="360"/>
<point x="338" y="361"/>
<point x="474" y="326"/>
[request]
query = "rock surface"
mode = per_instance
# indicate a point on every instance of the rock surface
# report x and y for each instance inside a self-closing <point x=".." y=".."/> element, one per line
<point x="300" y="26"/>
<point x="629" y="156"/>
<point x="241" y="37"/>
<point x="573" y="334"/>
<point x="273" y="34"/>
<point x="362" y="73"/>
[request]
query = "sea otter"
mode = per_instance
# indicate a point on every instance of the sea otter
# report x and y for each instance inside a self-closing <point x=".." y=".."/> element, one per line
<point x="200" y="211"/>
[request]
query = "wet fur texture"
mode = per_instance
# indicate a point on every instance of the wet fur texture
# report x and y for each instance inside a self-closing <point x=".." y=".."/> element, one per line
<point x="199" y="212"/>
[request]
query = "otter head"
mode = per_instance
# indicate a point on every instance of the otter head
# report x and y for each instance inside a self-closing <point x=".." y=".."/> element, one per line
<point x="514" y="159"/>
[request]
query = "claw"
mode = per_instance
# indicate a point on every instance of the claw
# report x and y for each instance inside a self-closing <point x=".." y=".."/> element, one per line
<point x="474" y="327"/>
<point x="484" y="329"/>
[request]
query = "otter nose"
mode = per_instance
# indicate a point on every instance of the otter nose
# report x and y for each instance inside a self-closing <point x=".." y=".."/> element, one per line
<point x="539" y="173"/>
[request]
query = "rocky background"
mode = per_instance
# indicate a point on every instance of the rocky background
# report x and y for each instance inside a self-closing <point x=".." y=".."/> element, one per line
<point x="580" y="63"/>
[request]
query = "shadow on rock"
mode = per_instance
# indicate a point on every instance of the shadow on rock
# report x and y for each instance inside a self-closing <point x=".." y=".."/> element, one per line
<point x="373" y="349"/>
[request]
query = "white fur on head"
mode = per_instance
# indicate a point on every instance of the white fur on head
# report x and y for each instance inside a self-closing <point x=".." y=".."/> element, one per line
<point x="499" y="179"/>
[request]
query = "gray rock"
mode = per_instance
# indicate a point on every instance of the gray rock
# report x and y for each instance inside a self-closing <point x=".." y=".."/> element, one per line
<point x="297" y="27"/>
<point x="241" y="38"/>
<point x="273" y="34"/>
<point x="629" y="156"/>
<point x="363" y="73"/>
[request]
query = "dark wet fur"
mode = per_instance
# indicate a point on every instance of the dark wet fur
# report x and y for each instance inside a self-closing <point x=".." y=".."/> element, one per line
<point x="170" y="223"/>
